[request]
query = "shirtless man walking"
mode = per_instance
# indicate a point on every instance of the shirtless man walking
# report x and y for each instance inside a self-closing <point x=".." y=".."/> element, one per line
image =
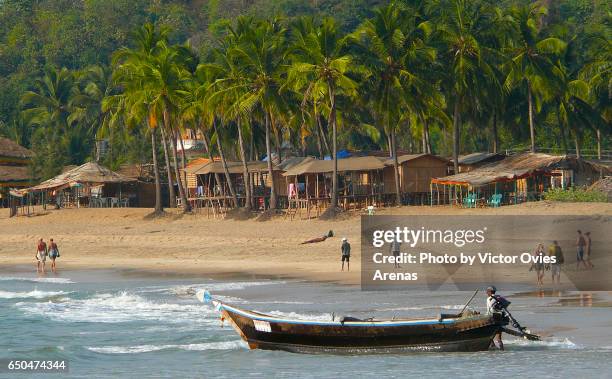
<point x="41" y="256"/>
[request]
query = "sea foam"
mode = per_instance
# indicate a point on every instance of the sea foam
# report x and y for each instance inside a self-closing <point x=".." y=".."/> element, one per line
<point x="224" y="345"/>
<point x="35" y="294"/>
<point x="118" y="308"/>
<point x="37" y="280"/>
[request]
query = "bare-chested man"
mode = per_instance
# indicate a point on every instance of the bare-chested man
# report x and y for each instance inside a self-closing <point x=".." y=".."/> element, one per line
<point x="41" y="255"/>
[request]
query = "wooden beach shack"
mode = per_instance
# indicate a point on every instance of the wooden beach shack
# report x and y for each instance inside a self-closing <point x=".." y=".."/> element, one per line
<point x="212" y="188"/>
<point x="415" y="174"/>
<point x="472" y="161"/>
<point x="89" y="184"/>
<point x="360" y="183"/>
<point x="519" y="178"/>
<point x="15" y="172"/>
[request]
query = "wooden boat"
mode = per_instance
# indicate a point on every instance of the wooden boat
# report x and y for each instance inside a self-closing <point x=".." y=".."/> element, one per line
<point x="463" y="332"/>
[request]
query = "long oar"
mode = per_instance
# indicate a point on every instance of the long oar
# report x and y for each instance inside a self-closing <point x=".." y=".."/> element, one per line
<point x="468" y="302"/>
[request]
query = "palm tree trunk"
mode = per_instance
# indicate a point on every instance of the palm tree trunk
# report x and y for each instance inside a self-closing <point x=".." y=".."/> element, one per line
<point x="273" y="204"/>
<point x="208" y="149"/>
<point x="319" y="141"/>
<point x="531" y="122"/>
<point x="398" y="194"/>
<point x="456" y="135"/>
<point x="332" y="121"/>
<point x="323" y="134"/>
<point x="277" y="138"/>
<point x="577" y="142"/>
<point x="245" y="170"/>
<point x="228" y="178"/>
<point x="183" y="163"/>
<point x="495" y="133"/>
<point x="179" y="181"/>
<point x="158" y="202"/>
<point x="562" y="130"/>
<point x="171" y="193"/>
<point x="598" y="134"/>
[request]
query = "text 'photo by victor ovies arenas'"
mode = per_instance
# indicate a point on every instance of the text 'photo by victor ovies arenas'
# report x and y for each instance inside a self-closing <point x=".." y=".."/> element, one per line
<point x="305" y="188"/>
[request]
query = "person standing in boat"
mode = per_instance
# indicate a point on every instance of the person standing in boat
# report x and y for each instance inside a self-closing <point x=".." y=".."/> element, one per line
<point x="493" y="306"/>
<point x="346" y="254"/>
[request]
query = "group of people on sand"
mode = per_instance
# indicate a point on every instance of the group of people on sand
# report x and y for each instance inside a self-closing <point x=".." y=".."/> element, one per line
<point x="43" y="251"/>
<point x="583" y="256"/>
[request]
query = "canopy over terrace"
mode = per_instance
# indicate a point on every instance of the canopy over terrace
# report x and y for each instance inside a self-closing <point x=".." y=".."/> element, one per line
<point x="211" y="182"/>
<point x="523" y="173"/>
<point x="90" y="173"/>
<point x="360" y="180"/>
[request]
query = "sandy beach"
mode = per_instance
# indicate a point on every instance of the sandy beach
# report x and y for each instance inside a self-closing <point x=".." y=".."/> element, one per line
<point x="194" y="244"/>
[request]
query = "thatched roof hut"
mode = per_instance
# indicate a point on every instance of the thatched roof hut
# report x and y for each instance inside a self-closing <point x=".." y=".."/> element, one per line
<point x="12" y="150"/>
<point x="472" y="161"/>
<point x="88" y="173"/>
<point x="14" y="160"/>
<point x="525" y="165"/>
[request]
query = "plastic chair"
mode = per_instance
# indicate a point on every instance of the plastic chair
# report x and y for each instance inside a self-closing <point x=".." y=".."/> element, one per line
<point x="370" y="210"/>
<point x="495" y="201"/>
<point x="470" y="201"/>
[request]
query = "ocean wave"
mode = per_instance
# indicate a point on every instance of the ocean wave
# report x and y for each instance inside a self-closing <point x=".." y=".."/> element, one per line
<point x="37" y="280"/>
<point x="563" y="343"/>
<point x="226" y="345"/>
<point x="118" y="308"/>
<point x="35" y="294"/>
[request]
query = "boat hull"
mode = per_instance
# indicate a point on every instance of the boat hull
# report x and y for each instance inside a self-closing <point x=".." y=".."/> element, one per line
<point x="363" y="337"/>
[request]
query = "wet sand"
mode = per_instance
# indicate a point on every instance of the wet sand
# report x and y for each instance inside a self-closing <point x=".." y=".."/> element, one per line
<point x="196" y="245"/>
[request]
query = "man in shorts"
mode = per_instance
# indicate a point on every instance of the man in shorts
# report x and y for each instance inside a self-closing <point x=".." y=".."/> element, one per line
<point x="53" y="253"/>
<point x="41" y="255"/>
<point x="346" y="254"/>
<point x="580" y="245"/>
<point x="554" y="250"/>
<point x="395" y="250"/>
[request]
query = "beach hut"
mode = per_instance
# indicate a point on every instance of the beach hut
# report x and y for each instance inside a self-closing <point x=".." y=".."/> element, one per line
<point x="212" y="183"/>
<point x="15" y="172"/>
<point x="415" y="173"/>
<point x="89" y="183"/>
<point x="360" y="181"/>
<point x="518" y="178"/>
<point x="471" y="161"/>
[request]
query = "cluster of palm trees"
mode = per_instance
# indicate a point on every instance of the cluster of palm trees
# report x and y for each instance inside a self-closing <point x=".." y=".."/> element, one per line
<point x="415" y="65"/>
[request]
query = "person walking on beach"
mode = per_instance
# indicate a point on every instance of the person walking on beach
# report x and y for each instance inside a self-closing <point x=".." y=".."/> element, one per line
<point x="53" y="253"/>
<point x="41" y="255"/>
<point x="538" y="255"/>
<point x="346" y="254"/>
<point x="580" y="244"/>
<point x="494" y="307"/>
<point x="587" y="249"/>
<point x="554" y="250"/>
<point x="395" y="250"/>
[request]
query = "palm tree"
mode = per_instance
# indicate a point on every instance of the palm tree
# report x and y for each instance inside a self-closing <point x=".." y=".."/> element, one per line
<point x="259" y="54"/>
<point x="320" y="60"/>
<point x="163" y="75"/>
<point x="395" y="52"/>
<point x="463" y="28"/>
<point x="133" y="104"/>
<point x="531" y="59"/>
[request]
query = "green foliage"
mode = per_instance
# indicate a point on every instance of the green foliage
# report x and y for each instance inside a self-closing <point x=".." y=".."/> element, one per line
<point x="402" y="66"/>
<point x="579" y="195"/>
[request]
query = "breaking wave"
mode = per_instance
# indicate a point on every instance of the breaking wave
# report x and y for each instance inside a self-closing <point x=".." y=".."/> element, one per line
<point x="35" y="294"/>
<point x="37" y="280"/>
<point x="118" y="308"/>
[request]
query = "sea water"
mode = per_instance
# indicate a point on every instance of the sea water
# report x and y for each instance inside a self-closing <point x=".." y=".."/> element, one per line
<point x="110" y="324"/>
